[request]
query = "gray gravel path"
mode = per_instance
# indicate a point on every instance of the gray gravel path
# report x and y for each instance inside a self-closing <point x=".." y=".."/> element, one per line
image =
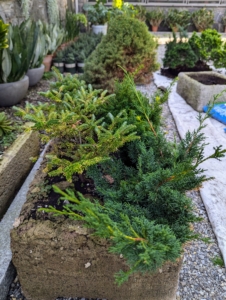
<point x="199" y="277"/>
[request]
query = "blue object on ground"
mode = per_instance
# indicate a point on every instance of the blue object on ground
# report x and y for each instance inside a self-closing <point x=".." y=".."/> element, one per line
<point x="218" y="112"/>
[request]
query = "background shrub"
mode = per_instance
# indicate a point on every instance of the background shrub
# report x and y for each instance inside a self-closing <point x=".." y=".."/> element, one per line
<point x="129" y="45"/>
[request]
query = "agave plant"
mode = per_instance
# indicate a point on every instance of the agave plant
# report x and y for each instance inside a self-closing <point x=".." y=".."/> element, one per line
<point x="5" y="125"/>
<point x="53" y="37"/>
<point x="33" y="31"/>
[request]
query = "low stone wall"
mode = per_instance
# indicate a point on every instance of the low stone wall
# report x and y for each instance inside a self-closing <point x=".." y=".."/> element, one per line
<point x="15" y="166"/>
<point x="10" y="10"/>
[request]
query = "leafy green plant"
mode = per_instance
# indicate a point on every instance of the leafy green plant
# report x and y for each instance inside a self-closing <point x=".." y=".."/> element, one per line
<point x="81" y="138"/>
<point x="72" y="24"/>
<point x="203" y="45"/>
<point x="179" y="54"/>
<point x="5" y="125"/>
<point x="97" y="14"/>
<point x="218" y="261"/>
<point x="54" y="36"/>
<point x="59" y="57"/>
<point x="143" y="211"/>
<point x="48" y="75"/>
<point x="175" y="18"/>
<point x="85" y="45"/>
<point x="15" y="59"/>
<point x="198" y="48"/>
<point x="3" y="34"/>
<point x="140" y="13"/>
<point x="155" y="16"/>
<point x="32" y="31"/>
<point x="69" y="57"/>
<point x="136" y="52"/>
<point x="203" y="19"/>
<point x="127" y="9"/>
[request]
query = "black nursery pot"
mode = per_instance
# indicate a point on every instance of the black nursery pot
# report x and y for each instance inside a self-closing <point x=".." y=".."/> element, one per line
<point x="70" y="68"/>
<point x="59" y="66"/>
<point x="80" y="67"/>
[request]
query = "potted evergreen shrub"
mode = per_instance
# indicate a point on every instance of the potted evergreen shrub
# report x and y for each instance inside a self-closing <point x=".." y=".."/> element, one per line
<point x="84" y="46"/>
<point x="203" y="19"/>
<point x="140" y="13"/>
<point x="98" y="15"/>
<point x="132" y="200"/>
<point x="69" y="61"/>
<point x="177" y="18"/>
<point x="58" y="60"/>
<point x="194" y="53"/>
<point x="155" y="17"/>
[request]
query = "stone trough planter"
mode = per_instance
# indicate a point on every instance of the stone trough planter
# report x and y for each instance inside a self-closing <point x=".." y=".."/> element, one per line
<point x="57" y="257"/>
<point x="15" y="165"/>
<point x="198" y="88"/>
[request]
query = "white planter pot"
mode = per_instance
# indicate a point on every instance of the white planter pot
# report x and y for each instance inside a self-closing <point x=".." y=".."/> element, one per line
<point x="58" y="65"/>
<point x="100" y="29"/>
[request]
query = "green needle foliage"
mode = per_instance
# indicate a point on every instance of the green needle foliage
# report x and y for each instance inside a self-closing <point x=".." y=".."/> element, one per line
<point x="141" y="207"/>
<point x="143" y="243"/>
<point x="127" y="44"/>
<point x="80" y="138"/>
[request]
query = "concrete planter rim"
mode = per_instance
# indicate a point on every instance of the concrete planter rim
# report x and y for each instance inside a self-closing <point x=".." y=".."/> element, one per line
<point x="12" y="93"/>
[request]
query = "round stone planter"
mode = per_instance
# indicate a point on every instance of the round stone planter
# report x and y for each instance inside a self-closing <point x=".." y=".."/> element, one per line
<point x="70" y="68"/>
<point x="100" y="29"/>
<point x="13" y="92"/>
<point x="35" y="75"/>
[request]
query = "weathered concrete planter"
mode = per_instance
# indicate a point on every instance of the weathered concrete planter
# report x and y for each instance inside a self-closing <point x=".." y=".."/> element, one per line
<point x="198" y="94"/>
<point x="13" y="92"/>
<point x="59" y="258"/>
<point x="15" y="166"/>
<point x="35" y="75"/>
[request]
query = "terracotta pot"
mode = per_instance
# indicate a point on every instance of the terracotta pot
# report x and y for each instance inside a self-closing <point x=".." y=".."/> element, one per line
<point x="47" y="62"/>
<point x="154" y="28"/>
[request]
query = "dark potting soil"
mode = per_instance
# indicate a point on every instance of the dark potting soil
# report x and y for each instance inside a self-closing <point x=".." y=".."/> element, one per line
<point x="46" y="196"/>
<point x="172" y="73"/>
<point x="208" y="79"/>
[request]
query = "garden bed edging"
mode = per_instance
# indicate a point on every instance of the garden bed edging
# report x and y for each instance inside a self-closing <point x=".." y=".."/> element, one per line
<point x="15" y="165"/>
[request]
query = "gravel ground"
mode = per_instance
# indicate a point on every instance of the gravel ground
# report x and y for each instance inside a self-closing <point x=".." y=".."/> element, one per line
<point x="199" y="277"/>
